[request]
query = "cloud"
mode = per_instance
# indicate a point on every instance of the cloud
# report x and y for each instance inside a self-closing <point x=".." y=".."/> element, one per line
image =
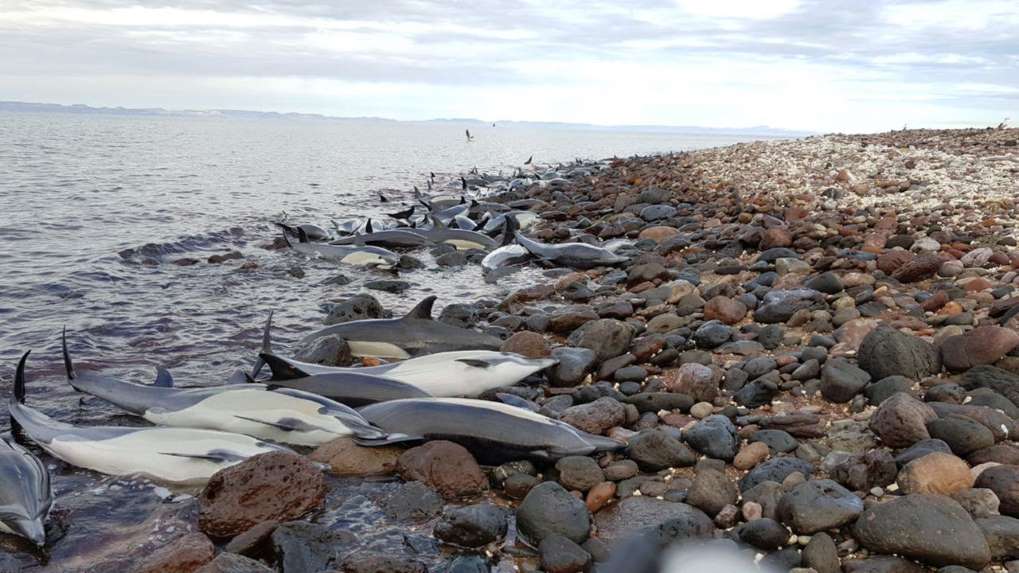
<point x="849" y="65"/>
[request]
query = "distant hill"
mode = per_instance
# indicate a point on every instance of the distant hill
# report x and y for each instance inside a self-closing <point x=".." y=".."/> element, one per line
<point x="31" y="107"/>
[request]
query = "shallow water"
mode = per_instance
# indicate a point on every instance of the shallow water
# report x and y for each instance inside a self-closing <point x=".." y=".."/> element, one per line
<point x="77" y="190"/>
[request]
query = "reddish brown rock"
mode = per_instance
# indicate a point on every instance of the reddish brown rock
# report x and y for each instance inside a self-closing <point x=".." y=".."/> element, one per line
<point x="724" y="309"/>
<point x="600" y="495"/>
<point x="936" y="472"/>
<point x="183" y="555"/>
<point x="695" y="380"/>
<point x="982" y="345"/>
<point x="918" y="268"/>
<point x="658" y="233"/>
<point x="890" y="262"/>
<point x="775" y="237"/>
<point x="527" y="343"/>
<point x="445" y="466"/>
<point x="278" y="486"/>
<point x="346" y="458"/>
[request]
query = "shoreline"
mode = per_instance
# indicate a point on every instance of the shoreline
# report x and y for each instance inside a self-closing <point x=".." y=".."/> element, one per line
<point x="753" y="311"/>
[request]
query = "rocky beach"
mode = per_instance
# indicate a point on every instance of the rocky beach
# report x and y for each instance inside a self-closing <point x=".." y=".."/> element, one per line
<point x="811" y="354"/>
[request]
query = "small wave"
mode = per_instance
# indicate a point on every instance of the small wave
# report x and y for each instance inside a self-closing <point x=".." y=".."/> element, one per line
<point x="185" y="244"/>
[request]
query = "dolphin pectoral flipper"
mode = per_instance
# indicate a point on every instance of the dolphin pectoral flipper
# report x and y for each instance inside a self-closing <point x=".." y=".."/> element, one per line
<point x="423" y="309"/>
<point x="475" y="362"/>
<point x="163" y="378"/>
<point x="285" y="424"/>
<point x="215" y="456"/>
<point x="387" y="440"/>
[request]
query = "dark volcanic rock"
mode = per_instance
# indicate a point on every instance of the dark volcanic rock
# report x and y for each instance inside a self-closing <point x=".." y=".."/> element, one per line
<point x="764" y="533"/>
<point x="607" y="337"/>
<point x="817" y="505"/>
<point x="841" y="380"/>
<point x="561" y="555"/>
<point x="918" y="526"/>
<point x="776" y="470"/>
<point x="887" y="352"/>
<point x="711" y="491"/>
<point x="548" y="509"/>
<point x="1002" y="534"/>
<point x="962" y="434"/>
<point x="1004" y="482"/>
<point x="1001" y="381"/>
<point x="472" y="525"/>
<point x="357" y="307"/>
<point x="656" y="450"/>
<point x="714" y="436"/>
<point x="595" y="417"/>
<point x="574" y="365"/>
<point x="632" y="514"/>
<point x="412" y="501"/>
<point x="301" y="546"/>
<point x="821" y="554"/>
<point x="901" y="421"/>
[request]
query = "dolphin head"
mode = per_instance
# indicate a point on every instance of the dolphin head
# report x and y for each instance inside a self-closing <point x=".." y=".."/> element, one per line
<point x="29" y="528"/>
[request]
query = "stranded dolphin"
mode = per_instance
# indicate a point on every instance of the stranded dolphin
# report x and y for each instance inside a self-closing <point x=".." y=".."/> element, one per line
<point x="493" y="430"/>
<point x="281" y="415"/>
<point x="25" y="493"/>
<point x="576" y="255"/>
<point x="172" y="455"/>
<point x="360" y="255"/>
<point x="445" y="374"/>
<point x="413" y="334"/>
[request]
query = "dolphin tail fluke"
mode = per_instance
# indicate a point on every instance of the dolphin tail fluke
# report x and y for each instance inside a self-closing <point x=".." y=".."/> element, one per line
<point x="423" y="310"/>
<point x="602" y="443"/>
<point x="19" y="394"/>
<point x="510" y="228"/>
<point x="266" y="346"/>
<point x="387" y="440"/>
<point x="68" y="365"/>
<point x="368" y="227"/>
<point x="281" y="369"/>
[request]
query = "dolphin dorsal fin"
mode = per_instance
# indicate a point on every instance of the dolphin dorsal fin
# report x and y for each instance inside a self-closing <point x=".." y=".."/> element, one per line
<point x="437" y="224"/>
<point x="163" y="378"/>
<point x="423" y="310"/>
<point x="368" y="227"/>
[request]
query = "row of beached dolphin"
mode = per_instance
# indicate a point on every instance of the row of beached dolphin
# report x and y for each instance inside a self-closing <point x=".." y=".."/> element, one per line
<point x="491" y="227"/>
<point x="200" y="430"/>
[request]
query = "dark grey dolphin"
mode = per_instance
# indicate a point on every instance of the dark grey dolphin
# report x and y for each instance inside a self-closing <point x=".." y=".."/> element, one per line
<point x="351" y="388"/>
<point x="183" y="456"/>
<point x="494" y="431"/>
<point x="25" y="493"/>
<point x="576" y="255"/>
<point x="312" y="232"/>
<point x="462" y="239"/>
<point x="390" y="239"/>
<point x="278" y="414"/>
<point x="411" y="335"/>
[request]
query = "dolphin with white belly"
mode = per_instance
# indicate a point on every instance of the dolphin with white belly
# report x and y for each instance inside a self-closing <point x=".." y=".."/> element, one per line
<point x="576" y="255"/>
<point x="413" y="334"/>
<point x="25" y="493"/>
<point x="493" y="430"/>
<point x="445" y="374"/>
<point x="280" y="414"/>
<point x="507" y="255"/>
<point x="390" y="238"/>
<point x="178" y="456"/>
<point x="462" y="239"/>
<point x="357" y="255"/>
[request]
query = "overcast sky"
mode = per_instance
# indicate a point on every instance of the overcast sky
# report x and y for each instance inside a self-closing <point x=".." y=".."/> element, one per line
<point x="847" y="65"/>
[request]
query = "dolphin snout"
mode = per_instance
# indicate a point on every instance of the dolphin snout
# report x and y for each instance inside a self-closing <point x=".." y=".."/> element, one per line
<point x="31" y="529"/>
